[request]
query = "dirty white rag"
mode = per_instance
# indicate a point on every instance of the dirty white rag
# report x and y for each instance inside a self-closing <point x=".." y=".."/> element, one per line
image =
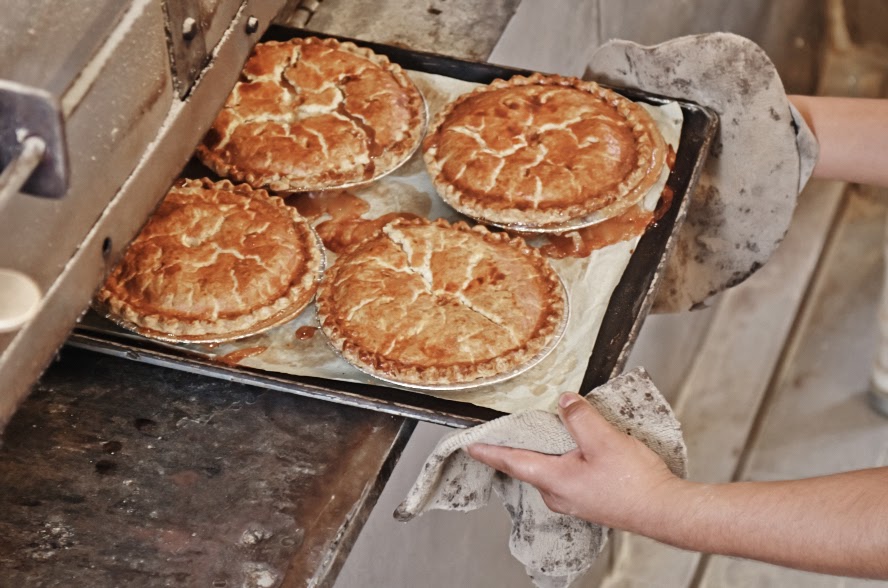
<point x="554" y="548"/>
<point x="760" y="160"/>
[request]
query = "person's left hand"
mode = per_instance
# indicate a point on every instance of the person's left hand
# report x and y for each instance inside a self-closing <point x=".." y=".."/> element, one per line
<point x="611" y="478"/>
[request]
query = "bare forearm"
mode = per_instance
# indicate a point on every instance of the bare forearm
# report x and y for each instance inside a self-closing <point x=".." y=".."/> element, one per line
<point x="853" y="137"/>
<point x="834" y="524"/>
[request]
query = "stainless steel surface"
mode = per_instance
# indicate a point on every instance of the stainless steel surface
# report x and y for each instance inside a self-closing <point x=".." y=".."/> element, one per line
<point x="128" y="136"/>
<point x="165" y="478"/>
<point x="195" y="27"/>
<point x="48" y="44"/>
<point x="188" y="49"/>
<point x="459" y="28"/>
<point x="402" y="405"/>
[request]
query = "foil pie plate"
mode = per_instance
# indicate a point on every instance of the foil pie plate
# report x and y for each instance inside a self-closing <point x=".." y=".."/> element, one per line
<point x="582" y="222"/>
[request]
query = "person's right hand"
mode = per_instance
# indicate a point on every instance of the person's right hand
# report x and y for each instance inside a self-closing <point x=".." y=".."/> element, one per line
<point x="611" y="478"/>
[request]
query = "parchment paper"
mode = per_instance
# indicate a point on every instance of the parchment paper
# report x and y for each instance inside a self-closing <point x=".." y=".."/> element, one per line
<point x="590" y="282"/>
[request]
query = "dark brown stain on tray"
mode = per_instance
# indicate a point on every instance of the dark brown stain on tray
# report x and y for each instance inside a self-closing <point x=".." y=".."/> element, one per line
<point x="345" y="227"/>
<point x="339" y="236"/>
<point x="306" y="333"/>
<point x="632" y="223"/>
<point x="670" y="158"/>
<point x="339" y="204"/>
<point x="582" y="242"/>
<point x="236" y="357"/>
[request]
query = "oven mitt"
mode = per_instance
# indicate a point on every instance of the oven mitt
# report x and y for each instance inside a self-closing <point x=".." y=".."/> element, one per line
<point x="554" y="548"/>
<point x="759" y="161"/>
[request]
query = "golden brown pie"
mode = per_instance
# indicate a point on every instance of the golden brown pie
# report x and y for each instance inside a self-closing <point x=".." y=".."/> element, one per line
<point x="431" y="303"/>
<point x="311" y="114"/>
<point x="215" y="262"/>
<point x="543" y="150"/>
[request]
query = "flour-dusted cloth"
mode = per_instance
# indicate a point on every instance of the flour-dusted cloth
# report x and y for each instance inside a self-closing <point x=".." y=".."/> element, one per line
<point x="554" y="548"/>
<point x="760" y="159"/>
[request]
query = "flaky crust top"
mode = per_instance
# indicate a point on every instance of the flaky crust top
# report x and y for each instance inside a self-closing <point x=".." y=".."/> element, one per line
<point x="427" y="302"/>
<point x="542" y="150"/>
<point x="216" y="261"/>
<point x="311" y="114"/>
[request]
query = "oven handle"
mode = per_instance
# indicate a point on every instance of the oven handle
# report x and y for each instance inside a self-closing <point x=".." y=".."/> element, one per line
<point x="14" y="176"/>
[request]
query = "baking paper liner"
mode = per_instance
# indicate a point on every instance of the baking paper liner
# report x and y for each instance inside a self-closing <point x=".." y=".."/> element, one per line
<point x="590" y="281"/>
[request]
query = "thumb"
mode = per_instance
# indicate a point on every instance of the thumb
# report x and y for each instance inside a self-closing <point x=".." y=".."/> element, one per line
<point x="589" y="429"/>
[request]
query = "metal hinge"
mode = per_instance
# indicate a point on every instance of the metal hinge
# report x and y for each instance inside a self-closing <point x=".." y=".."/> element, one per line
<point x="33" y="158"/>
<point x="186" y="42"/>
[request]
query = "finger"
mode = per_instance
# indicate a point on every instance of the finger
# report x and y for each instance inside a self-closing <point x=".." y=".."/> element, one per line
<point x="589" y="429"/>
<point x="521" y="464"/>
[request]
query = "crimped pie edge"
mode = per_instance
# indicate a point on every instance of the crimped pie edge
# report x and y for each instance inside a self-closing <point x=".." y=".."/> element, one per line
<point x="459" y="373"/>
<point x="388" y="161"/>
<point x="650" y="144"/>
<point x="290" y="305"/>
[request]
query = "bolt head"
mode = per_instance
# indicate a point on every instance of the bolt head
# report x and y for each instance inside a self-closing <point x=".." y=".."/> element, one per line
<point x="189" y="28"/>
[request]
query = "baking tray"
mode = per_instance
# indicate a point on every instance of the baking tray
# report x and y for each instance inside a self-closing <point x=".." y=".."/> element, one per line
<point x="626" y="311"/>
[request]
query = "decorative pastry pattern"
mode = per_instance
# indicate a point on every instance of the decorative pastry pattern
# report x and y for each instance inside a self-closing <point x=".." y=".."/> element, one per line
<point x="543" y="150"/>
<point x="312" y="114"/>
<point x="427" y="302"/>
<point x="215" y="262"/>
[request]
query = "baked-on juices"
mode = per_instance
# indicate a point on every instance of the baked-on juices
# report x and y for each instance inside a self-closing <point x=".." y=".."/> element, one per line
<point x="632" y="223"/>
<point x="345" y="226"/>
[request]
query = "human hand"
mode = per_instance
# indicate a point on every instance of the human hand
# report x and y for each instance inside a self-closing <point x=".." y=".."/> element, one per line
<point x="611" y="478"/>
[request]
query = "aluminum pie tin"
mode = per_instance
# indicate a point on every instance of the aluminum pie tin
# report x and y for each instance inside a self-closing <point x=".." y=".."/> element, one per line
<point x="477" y="382"/>
<point x="612" y="210"/>
<point x="274" y="320"/>
<point x="574" y="224"/>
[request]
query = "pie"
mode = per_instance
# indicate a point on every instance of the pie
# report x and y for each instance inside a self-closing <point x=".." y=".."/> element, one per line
<point x="312" y="114"/>
<point x="429" y="303"/>
<point x="215" y="262"/>
<point x="543" y="150"/>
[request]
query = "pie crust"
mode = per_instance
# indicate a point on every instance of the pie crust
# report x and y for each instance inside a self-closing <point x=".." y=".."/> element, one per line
<point x="312" y="114"/>
<point x="430" y="303"/>
<point x="215" y="262"/>
<point x="543" y="150"/>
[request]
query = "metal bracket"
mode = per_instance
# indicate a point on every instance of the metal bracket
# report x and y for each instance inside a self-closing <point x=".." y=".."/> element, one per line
<point x="298" y="15"/>
<point x="30" y="112"/>
<point x="187" y="45"/>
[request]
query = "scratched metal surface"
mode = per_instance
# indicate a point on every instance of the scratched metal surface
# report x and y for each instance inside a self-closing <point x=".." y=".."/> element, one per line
<point x="115" y="473"/>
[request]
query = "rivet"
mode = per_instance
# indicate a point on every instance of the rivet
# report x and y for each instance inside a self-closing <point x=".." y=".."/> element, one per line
<point x="252" y="25"/>
<point x="189" y="28"/>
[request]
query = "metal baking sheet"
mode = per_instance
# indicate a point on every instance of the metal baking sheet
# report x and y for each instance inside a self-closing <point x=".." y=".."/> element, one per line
<point x="626" y="311"/>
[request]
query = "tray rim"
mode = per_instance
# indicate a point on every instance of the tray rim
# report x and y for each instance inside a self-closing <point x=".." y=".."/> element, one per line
<point x="403" y="403"/>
